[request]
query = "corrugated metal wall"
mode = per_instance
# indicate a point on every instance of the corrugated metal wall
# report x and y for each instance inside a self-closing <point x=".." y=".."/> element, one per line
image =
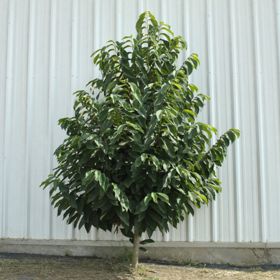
<point x="45" y="48"/>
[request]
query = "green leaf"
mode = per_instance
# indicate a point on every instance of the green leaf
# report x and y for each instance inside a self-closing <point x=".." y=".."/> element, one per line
<point x="147" y="241"/>
<point x="124" y="217"/>
<point x="159" y="114"/>
<point x="140" y="22"/>
<point x="101" y="179"/>
<point x="135" y="126"/>
<point x="143" y="205"/>
<point x="135" y="92"/>
<point x="121" y="197"/>
<point x="154" y="197"/>
<point x="163" y="197"/>
<point x="233" y="134"/>
<point x="89" y="177"/>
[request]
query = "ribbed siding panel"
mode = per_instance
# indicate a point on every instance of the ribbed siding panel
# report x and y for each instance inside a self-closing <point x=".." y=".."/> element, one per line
<point x="45" y="48"/>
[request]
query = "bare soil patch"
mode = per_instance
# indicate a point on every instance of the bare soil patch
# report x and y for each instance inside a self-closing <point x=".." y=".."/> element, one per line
<point x="22" y="267"/>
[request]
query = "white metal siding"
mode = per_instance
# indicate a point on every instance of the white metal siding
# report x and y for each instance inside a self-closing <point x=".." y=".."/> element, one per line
<point x="45" y="48"/>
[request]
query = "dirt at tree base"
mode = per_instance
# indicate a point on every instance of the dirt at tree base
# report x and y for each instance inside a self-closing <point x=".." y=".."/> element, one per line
<point x="22" y="267"/>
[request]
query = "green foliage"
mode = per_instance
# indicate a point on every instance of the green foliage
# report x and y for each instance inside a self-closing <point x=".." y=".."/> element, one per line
<point x="137" y="159"/>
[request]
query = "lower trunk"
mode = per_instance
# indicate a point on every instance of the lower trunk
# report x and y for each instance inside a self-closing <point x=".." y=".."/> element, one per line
<point x="135" y="253"/>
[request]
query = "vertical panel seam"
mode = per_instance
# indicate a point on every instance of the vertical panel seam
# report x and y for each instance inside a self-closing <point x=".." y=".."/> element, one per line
<point x="118" y="20"/>
<point x="52" y="54"/>
<point x="118" y="36"/>
<point x="141" y="6"/>
<point x="189" y="221"/>
<point x="236" y="122"/>
<point x="260" y="132"/>
<point x="8" y="110"/>
<point x="73" y="66"/>
<point x="96" y="41"/>
<point x="2" y="185"/>
<point x="276" y="14"/>
<point x="186" y="32"/>
<point x="29" y="101"/>
<point x="162" y="13"/>
<point x="212" y="119"/>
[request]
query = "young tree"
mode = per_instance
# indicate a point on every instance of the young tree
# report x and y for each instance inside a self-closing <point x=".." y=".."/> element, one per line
<point x="137" y="160"/>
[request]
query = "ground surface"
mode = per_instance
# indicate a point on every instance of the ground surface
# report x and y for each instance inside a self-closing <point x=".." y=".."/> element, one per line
<point x="35" y="267"/>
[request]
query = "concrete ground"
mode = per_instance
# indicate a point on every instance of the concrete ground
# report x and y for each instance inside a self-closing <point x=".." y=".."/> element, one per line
<point x="32" y="267"/>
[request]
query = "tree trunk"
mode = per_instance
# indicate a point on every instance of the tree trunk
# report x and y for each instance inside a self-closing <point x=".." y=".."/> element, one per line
<point x="135" y="253"/>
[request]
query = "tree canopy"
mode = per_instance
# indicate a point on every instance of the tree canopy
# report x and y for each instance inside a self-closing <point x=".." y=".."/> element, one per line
<point x="136" y="158"/>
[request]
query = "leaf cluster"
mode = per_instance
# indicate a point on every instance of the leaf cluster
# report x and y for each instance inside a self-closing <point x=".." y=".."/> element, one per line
<point x="138" y="159"/>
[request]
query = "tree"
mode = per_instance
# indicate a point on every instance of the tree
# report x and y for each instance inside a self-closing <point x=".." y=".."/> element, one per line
<point x="137" y="160"/>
